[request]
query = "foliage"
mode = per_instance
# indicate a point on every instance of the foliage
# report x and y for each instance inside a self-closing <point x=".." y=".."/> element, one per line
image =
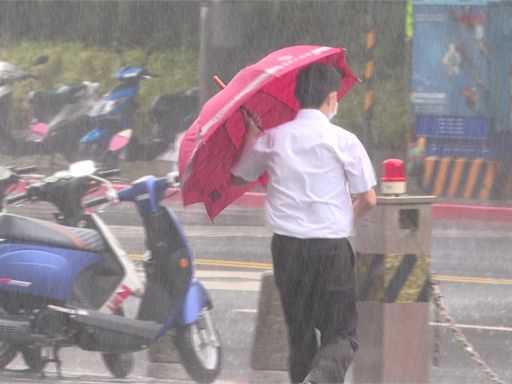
<point x="246" y="31"/>
<point x="103" y="23"/>
<point x="72" y="63"/>
<point x="391" y="117"/>
<point x="82" y="38"/>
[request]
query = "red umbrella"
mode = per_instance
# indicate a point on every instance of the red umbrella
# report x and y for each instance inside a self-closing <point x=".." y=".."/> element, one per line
<point x="210" y="146"/>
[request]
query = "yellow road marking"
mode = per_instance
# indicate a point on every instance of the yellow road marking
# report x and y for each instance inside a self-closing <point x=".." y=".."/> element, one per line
<point x="268" y="266"/>
<point x="475" y="280"/>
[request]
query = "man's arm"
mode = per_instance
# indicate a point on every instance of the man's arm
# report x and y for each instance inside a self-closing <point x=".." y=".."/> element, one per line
<point x="364" y="202"/>
<point x="252" y="130"/>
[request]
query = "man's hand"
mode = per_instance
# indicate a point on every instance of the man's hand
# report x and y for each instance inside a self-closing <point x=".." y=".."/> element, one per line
<point x="252" y="122"/>
<point x="252" y="129"/>
<point x="364" y="202"/>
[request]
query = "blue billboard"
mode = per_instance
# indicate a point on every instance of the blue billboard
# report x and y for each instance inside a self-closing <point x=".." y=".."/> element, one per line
<point x="500" y="43"/>
<point x="450" y="59"/>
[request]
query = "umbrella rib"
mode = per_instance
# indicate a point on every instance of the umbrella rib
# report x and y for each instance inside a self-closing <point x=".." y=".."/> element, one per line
<point x="248" y="88"/>
<point x="274" y="105"/>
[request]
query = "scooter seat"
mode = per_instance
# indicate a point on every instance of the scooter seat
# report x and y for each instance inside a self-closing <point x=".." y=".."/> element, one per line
<point x="29" y="230"/>
<point x="47" y="103"/>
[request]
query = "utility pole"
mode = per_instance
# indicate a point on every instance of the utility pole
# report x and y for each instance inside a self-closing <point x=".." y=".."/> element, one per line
<point x="204" y="25"/>
<point x="223" y="50"/>
<point x="369" y="74"/>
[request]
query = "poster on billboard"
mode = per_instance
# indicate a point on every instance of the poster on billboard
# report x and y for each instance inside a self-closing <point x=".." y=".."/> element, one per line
<point x="450" y="59"/>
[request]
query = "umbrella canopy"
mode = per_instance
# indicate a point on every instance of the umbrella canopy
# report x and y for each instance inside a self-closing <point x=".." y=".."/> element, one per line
<point x="210" y="146"/>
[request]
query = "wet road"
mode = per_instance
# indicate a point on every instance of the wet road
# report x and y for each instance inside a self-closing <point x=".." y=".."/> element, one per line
<point x="471" y="261"/>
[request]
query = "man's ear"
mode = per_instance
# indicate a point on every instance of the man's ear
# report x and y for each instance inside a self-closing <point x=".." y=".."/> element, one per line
<point x="331" y="100"/>
<point x="334" y="96"/>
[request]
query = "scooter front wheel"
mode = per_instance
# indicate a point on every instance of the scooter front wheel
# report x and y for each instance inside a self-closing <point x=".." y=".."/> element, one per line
<point x="199" y="348"/>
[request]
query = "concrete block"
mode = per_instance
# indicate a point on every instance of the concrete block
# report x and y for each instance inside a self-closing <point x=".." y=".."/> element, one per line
<point x="394" y="343"/>
<point x="270" y="346"/>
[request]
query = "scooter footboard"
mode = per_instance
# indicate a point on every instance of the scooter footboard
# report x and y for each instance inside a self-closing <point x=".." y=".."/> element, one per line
<point x="196" y="299"/>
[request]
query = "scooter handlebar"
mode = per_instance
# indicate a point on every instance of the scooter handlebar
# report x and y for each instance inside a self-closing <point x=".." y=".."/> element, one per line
<point x="108" y="173"/>
<point x="25" y="170"/>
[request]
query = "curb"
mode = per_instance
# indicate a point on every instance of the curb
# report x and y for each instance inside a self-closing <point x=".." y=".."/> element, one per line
<point x="439" y="210"/>
<point x="472" y="212"/>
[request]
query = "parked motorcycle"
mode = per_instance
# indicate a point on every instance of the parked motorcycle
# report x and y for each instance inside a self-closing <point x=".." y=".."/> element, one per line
<point x="65" y="193"/>
<point x="113" y="113"/>
<point x="57" y="281"/>
<point x="11" y="176"/>
<point x="60" y="119"/>
<point x="171" y="114"/>
<point x="9" y="76"/>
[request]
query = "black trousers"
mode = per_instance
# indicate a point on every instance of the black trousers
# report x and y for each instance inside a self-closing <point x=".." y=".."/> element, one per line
<point x="315" y="279"/>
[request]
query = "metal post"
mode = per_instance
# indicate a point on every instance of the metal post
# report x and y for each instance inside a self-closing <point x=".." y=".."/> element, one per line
<point x="369" y="73"/>
<point x="203" y="49"/>
<point x="393" y="269"/>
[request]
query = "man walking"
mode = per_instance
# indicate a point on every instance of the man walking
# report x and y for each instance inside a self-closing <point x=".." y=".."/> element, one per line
<point x="314" y="168"/>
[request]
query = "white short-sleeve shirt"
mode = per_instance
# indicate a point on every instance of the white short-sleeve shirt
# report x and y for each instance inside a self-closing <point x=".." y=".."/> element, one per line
<point x="314" y="167"/>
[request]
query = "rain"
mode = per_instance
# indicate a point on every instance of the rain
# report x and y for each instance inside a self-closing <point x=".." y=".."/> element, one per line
<point x="97" y="96"/>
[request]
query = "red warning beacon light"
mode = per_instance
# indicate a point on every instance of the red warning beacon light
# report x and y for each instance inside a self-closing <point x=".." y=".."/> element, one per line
<point x="393" y="180"/>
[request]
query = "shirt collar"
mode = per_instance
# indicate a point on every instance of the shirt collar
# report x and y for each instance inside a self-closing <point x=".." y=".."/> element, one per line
<point x="311" y="113"/>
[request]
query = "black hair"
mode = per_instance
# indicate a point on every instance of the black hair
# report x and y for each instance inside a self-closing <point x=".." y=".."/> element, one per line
<point x="314" y="83"/>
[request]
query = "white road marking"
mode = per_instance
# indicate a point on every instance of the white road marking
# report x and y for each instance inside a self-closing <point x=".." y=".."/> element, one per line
<point x="228" y="286"/>
<point x="478" y="327"/>
<point x="245" y="310"/>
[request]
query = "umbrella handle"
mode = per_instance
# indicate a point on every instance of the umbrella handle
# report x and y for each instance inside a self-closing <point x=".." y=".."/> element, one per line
<point x="219" y="82"/>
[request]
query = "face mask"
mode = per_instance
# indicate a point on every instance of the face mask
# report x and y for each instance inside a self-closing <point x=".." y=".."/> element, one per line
<point x="333" y="113"/>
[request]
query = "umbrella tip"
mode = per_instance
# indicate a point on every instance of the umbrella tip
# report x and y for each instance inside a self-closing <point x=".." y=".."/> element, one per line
<point x="219" y="82"/>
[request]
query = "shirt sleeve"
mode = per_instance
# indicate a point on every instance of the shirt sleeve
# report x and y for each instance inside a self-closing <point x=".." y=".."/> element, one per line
<point x="358" y="168"/>
<point x="251" y="164"/>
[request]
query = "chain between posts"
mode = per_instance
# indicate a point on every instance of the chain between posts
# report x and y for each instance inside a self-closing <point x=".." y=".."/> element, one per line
<point x="459" y="336"/>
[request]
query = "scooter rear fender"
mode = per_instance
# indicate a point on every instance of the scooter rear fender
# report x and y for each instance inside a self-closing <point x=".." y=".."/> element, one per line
<point x="41" y="270"/>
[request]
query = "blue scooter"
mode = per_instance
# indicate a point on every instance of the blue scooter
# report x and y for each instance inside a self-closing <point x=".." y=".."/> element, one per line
<point x="56" y="282"/>
<point x="113" y="113"/>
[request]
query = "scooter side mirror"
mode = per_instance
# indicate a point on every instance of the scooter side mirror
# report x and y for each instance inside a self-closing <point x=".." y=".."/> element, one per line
<point x="173" y="179"/>
<point x="5" y="173"/>
<point x="82" y="168"/>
